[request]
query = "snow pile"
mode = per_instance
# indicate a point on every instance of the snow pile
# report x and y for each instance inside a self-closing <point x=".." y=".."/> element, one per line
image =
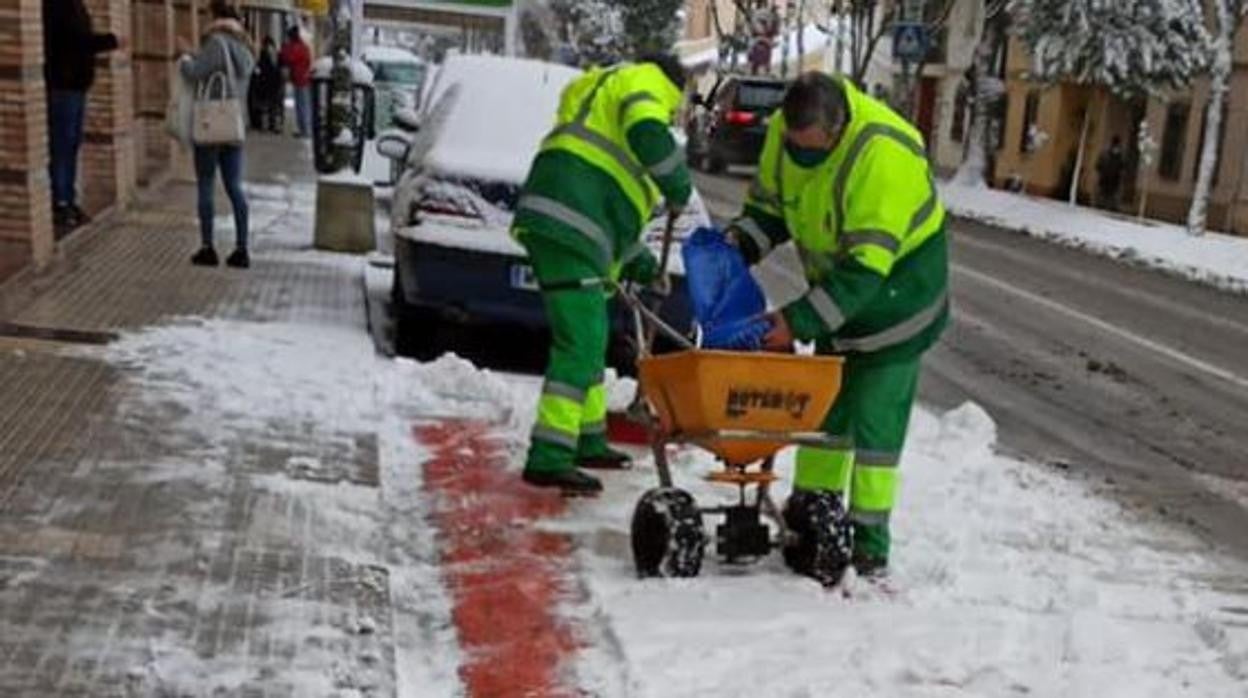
<point x="1214" y="259"/>
<point x="361" y="74"/>
<point x="1008" y="580"/>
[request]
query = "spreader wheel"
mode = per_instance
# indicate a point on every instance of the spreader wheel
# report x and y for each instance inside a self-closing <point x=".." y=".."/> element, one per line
<point x="668" y="539"/>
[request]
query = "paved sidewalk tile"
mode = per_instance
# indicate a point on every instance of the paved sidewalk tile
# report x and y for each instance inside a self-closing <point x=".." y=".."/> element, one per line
<point x="134" y="559"/>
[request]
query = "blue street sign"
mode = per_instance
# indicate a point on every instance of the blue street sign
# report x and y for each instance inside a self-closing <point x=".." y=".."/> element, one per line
<point x="910" y="41"/>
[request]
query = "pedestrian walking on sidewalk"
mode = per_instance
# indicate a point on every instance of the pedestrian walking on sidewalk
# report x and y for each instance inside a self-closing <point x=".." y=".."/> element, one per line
<point x="590" y="193"/>
<point x="225" y="49"/>
<point x="70" y="47"/>
<point x="296" y="60"/>
<point x="264" y="101"/>
<point x="1109" y="170"/>
<point x="848" y="180"/>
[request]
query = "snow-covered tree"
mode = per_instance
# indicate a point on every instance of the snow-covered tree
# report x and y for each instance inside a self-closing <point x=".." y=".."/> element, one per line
<point x="1130" y="48"/>
<point x="650" y="25"/>
<point x="986" y="89"/>
<point x="590" y="31"/>
<point x="1148" y="148"/>
<point x="1228" y="15"/>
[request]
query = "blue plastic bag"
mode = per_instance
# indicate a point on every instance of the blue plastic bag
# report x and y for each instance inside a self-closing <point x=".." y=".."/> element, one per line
<point x="727" y="301"/>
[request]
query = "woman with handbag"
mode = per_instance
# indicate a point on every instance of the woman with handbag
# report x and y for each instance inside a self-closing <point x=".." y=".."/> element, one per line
<point x="220" y="72"/>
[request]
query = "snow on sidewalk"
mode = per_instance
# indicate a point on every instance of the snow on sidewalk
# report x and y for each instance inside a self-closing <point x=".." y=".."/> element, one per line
<point x="1012" y="579"/>
<point x="1215" y="259"/>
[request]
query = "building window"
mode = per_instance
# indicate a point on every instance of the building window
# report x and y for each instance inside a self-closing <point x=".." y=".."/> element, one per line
<point x="1030" y="110"/>
<point x="1173" y="138"/>
<point x="1200" y="147"/>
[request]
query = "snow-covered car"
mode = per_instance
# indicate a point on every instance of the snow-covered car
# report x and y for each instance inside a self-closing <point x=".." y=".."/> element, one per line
<point x="398" y="76"/>
<point x="482" y="121"/>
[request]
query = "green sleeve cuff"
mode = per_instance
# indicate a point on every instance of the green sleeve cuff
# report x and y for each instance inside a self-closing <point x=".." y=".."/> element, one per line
<point x="652" y="142"/>
<point x="805" y="323"/>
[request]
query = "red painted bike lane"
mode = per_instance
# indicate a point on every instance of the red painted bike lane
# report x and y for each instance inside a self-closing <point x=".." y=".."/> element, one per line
<point x="507" y="579"/>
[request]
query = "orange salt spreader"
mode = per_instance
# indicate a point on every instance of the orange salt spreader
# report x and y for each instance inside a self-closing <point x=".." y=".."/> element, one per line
<point x="743" y="407"/>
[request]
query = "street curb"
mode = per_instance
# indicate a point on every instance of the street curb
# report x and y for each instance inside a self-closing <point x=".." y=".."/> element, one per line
<point x="1126" y="257"/>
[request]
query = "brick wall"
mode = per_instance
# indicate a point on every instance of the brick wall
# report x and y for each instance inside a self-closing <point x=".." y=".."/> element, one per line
<point x="186" y="24"/>
<point x="108" y="170"/>
<point x="152" y="35"/>
<point x="25" y="197"/>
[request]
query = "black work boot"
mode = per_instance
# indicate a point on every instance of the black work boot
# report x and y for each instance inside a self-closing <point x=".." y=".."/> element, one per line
<point x="820" y="539"/>
<point x="871" y="545"/>
<point x="869" y="567"/>
<point x="80" y="216"/>
<point x="609" y="459"/>
<point x="571" y="483"/>
<point x="206" y="257"/>
<point x="239" y="259"/>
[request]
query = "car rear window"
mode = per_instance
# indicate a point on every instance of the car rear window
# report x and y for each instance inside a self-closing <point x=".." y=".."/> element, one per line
<point x="402" y="73"/>
<point x="468" y="197"/>
<point x="760" y="96"/>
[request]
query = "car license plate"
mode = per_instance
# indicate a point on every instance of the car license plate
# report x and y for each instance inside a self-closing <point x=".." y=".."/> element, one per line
<point x="522" y="277"/>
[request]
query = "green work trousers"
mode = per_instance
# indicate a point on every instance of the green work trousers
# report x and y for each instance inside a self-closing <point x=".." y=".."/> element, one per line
<point x="870" y="418"/>
<point x="572" y="410"/>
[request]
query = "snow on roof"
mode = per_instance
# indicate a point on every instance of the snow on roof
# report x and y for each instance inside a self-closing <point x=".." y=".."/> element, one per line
<point x="501" y="110"/>
<point x="360" y="72"/>
<point x="389" y="54"/>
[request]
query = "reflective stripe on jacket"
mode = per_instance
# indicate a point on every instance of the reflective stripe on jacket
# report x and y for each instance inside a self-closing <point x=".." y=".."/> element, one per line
<point x="606" y="195"/>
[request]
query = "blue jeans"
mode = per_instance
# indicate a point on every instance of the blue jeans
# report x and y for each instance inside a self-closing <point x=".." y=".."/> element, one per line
<point x="303" y="110"/>
<point x="66" y="113"/>
<point x="230" y="159"/>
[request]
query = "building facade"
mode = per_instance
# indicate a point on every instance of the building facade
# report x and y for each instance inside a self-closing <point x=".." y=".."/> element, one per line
<point x="125" y="144"/>
<point x="1174" y="121"/>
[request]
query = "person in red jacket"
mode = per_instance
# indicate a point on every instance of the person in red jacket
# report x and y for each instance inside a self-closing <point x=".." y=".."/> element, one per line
<point x="70" y="46"/>
<point x="296" y="60"/>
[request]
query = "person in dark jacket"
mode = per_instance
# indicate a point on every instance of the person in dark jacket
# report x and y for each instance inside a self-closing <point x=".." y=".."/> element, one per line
<point x="70" y="46"/>
<point x="265" y="97"/>
<point x="1109" y="170"/>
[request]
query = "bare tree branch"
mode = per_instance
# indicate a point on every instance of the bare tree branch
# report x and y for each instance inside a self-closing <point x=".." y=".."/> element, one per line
<point x="944" y="16"/>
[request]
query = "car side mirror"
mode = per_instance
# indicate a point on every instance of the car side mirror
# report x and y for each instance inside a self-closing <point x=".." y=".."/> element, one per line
<point x="394" y="146"/>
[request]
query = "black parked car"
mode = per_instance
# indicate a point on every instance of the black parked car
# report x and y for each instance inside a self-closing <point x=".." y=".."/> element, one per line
<point x="730" y="123"/>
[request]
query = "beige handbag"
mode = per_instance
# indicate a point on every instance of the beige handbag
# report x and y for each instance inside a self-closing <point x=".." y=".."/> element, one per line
<point x="218" y="116"/>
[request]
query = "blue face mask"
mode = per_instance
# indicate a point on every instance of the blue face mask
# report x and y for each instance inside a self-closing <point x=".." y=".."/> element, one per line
<point x="807" y="157"/>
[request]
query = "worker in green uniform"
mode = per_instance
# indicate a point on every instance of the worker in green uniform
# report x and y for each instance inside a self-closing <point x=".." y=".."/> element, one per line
<point x="848" y="180"/>
<point x="600" y="175"/>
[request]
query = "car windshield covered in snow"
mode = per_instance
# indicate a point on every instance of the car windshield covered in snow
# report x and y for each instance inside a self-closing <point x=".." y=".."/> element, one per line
<point x="483" y="119"/>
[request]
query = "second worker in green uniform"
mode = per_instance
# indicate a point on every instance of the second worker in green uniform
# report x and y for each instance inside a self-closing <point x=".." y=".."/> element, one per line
<point x="600" y="174"/>
<point x="848" y="180"/>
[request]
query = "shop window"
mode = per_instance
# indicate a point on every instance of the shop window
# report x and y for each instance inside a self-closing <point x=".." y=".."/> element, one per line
<point x="1030" y="110"/>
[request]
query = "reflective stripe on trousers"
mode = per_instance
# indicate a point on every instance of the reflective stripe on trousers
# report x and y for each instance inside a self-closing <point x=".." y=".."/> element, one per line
<point x="565" y="413"/>
<point x="870" y="476"/>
